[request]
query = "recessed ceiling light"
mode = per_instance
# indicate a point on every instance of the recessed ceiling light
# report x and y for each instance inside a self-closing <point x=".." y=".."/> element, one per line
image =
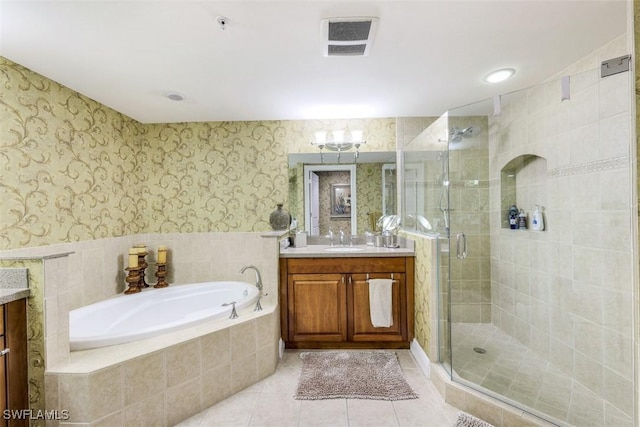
<point x="175" y="96"/>
<point x="499" y="75"/>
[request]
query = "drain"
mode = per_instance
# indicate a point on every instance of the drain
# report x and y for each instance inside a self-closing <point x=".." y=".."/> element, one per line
<point x="479" y="350"/>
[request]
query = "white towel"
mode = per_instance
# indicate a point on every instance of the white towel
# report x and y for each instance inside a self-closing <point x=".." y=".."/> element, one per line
<point x="380" y="302"/>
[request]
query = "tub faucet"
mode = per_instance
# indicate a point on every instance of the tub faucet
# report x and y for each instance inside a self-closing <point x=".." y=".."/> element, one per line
<point x="234" y="313"/>
<point x="258" y="284"/>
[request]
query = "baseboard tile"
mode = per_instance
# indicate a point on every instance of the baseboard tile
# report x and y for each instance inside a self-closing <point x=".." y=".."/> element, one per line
<point x="421" y="358"/>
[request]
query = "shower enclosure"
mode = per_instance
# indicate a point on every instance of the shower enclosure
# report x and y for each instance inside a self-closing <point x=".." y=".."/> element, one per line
<point x="542" y="320"/>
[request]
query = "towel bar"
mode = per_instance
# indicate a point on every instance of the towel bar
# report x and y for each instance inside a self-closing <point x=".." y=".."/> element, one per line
<point x="395" y="280"/>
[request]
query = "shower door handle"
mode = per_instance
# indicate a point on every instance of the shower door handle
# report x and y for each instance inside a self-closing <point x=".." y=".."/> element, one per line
<point x="461" y="245"/>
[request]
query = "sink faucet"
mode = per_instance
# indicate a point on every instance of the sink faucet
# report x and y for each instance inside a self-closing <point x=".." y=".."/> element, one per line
<point x="258" y="284"/>
<point x="341" y="237"/>
<point x="331" y="237"/>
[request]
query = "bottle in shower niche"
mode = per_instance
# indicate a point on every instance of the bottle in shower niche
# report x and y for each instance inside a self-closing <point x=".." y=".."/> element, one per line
<point x="513" y="217"/>
<point x="537" y="222"/>
<point x="522" y="220"/>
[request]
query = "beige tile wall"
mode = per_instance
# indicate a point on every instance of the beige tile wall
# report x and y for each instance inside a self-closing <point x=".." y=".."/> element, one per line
<point x="469" y="203"/>
<point x="567" y="292"/>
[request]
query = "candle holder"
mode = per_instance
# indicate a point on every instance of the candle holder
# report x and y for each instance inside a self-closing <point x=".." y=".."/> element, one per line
<point x="161" y="273"/>
<point x="133" y="279"/>
<point x="142" y="263"/>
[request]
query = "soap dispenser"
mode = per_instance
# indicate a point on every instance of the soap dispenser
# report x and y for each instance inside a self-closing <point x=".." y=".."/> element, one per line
<point x="537" y="222"/>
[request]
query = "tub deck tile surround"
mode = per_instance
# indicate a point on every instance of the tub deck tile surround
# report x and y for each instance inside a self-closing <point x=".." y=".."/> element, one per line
<point x="167" y="378"/>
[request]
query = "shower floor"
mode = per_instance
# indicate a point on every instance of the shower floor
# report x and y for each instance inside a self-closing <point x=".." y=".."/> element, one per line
<point x="510" y="369"/>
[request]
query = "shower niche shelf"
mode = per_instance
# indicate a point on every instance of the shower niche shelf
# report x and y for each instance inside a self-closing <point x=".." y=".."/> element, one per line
<point x="523" y="182"/>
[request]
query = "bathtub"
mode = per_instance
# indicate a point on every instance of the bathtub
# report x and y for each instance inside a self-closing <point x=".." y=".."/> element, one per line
<point x="152" y="312"/>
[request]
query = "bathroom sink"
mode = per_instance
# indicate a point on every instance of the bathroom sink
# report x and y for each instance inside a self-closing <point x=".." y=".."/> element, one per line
<point x="344" y="249"/>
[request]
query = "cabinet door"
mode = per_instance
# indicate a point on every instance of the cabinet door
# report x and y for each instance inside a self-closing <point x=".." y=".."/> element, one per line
<point x="317" y="307"/>
<point x="16" y="360"/>
<point x="362" y="328"/>
<point x="3" y="371"/>
<point x="3" y="384"/>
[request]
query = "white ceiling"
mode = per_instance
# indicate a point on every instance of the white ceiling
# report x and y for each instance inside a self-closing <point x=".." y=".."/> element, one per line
<point x="427" y="57"/>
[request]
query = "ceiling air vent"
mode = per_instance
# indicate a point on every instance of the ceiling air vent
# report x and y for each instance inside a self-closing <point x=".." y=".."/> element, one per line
<point x="348" y="36"/>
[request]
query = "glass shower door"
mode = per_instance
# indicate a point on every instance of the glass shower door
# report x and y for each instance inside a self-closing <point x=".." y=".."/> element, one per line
<point x="543" y="319"/>
<point x="425" y="210"/>
<point x="469" y="280"/>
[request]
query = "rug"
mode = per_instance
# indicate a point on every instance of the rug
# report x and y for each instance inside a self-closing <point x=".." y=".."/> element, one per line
<point x="352" y="375"/>
<point x="468" y="420"/>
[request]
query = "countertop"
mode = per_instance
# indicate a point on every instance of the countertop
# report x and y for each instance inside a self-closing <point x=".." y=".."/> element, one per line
<point x="361" y="251"/>
<point x="8" y="295"/>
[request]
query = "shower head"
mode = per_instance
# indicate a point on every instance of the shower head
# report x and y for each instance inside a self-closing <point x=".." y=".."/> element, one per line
<point x="456" y="134"/>
<point x="471" y="131"/>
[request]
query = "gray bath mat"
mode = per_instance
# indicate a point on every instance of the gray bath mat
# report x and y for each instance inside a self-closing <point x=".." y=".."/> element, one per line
<point x="352" y="375"/>
<point x="467" y="420"/>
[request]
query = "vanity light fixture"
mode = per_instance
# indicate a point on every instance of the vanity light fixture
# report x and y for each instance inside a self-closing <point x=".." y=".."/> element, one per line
<point x="499" y="75"/>
<point x="339" y="140"/>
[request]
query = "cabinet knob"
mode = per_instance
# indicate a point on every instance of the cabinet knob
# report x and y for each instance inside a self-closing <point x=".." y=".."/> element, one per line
<point x="4" y="352"/>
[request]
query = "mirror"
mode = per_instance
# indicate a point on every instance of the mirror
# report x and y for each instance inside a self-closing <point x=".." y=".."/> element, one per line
<point x="389" y="223"/>
<point x="362" y="199"/>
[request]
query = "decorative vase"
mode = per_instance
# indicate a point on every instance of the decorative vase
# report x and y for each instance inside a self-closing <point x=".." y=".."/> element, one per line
<point x="280" y="218"/>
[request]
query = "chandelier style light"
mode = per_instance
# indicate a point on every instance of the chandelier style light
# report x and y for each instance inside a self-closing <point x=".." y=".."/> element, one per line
<point x="339" y="140"/>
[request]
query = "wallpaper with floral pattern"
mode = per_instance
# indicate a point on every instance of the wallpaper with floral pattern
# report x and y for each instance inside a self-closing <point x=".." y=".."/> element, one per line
<point x="66" y="163"/>
<point x="74" y="169"/>
<point x="369" y="191"/>
<point x="422" y="290"/>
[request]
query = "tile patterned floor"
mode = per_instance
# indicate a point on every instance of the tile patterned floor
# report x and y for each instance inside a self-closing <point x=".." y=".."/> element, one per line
<point x="270" y="403"/>
<point x="511" y="369"/>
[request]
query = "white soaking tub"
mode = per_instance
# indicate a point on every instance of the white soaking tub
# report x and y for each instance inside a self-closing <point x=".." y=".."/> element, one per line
<point x="152" y="312"/>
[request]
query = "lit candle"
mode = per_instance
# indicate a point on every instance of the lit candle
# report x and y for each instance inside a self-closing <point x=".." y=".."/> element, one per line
<point x="133" y="258"/>
<point x="162" y="254"/>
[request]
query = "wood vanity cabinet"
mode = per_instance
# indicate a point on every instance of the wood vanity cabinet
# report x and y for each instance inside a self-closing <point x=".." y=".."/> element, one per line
<point x="317" y="307"/>
<point x="13" y="364"/>
<point x="324" y="302"/>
